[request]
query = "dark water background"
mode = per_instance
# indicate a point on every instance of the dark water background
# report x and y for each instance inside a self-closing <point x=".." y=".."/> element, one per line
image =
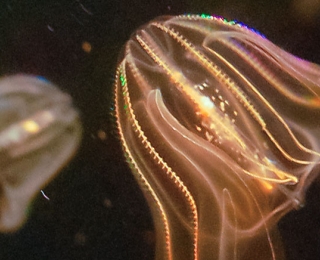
<point x="96" y="210"/>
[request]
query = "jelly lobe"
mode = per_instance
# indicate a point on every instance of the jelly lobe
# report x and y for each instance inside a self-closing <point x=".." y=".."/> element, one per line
<point x="39" y="133"/>
<point x="221" y="130"/>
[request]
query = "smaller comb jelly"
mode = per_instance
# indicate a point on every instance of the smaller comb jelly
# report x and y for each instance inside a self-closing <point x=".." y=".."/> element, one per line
<point x="40" y="131"/>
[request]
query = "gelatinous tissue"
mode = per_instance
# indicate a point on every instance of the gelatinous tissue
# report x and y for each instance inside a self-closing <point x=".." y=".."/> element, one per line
<point x="221" y="129"/>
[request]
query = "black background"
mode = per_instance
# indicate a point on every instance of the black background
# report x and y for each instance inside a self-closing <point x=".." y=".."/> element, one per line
<point x="96" y="210"/>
